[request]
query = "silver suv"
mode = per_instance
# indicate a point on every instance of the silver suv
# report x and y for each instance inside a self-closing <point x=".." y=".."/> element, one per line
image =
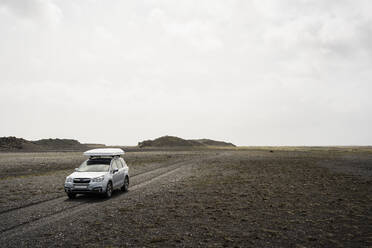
<point x="104" y="172"/>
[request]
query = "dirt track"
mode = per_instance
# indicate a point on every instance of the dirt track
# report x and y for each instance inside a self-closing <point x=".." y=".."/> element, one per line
<point x="214" y="198"/>
<point x="26" y="218"/>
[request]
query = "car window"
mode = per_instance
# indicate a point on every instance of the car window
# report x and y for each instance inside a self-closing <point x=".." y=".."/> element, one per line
<point x="95" y="165"/>
<point x="91" y="161"/>
<point x="120" y="165"/>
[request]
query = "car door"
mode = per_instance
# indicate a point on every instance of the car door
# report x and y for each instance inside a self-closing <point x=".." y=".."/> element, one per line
<point x="121" y="172"/>
<point x="115" y="175"/>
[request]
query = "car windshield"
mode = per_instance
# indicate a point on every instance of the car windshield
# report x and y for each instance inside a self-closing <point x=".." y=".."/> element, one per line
<point x="95" y="165"/>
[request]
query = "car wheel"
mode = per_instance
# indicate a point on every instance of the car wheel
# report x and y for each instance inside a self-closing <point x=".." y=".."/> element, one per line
<point x="108" y="190"/>
<point x="125" y="186"/>
<point x="71" y="195"/>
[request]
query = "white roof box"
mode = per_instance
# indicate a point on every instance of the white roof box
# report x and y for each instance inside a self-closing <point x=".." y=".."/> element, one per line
<point x="104" y="152"/>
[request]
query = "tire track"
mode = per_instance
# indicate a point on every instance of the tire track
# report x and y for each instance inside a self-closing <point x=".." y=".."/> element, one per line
<point x="60" y="197"/>
<point x="56" y="206"/>
<point x="37" y="215"/>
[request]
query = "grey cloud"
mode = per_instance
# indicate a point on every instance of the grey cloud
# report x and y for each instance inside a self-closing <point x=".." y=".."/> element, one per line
<point x="34" y="9"/>
<point x="254" y="73"/>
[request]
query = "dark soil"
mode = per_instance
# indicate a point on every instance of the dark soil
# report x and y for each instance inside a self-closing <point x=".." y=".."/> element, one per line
<point x="232" y="199"/>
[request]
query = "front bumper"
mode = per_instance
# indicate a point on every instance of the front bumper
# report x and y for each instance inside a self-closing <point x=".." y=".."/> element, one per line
<point x="81" y="189"/>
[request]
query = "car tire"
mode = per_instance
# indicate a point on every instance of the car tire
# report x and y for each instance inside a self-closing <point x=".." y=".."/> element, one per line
<point x="125" y="186"/>
<point x="71" y="195"/>
<point x="109" y="190"/>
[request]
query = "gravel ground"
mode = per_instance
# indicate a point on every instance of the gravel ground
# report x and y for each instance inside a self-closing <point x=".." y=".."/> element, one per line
<point x="29" y="178"/>
<point x="244" y="198"/>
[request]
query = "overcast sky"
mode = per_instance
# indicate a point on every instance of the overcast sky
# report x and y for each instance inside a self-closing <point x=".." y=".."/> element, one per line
<point x="289" y="72"/>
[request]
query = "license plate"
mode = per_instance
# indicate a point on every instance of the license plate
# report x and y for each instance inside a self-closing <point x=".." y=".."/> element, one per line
<point x="80" y="187"/>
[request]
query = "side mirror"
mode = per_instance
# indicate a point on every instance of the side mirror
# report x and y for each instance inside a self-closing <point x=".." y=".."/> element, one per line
<point x="114" y="171"/>
<point x="76" y="169"/>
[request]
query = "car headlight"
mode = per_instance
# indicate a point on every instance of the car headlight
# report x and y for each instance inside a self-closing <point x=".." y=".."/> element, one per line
<point x="68" y="179"/>
<point x="98" y="179"/>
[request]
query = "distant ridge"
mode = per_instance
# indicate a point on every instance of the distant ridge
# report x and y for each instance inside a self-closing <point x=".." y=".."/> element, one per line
<point x="210" y="142"/>
<point x="92" y="145"/>
<point x="172" y="141"/>
<point x="19" y="144"/>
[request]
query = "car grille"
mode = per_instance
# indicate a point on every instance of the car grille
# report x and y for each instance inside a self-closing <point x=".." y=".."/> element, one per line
<point x="81" y="180"/>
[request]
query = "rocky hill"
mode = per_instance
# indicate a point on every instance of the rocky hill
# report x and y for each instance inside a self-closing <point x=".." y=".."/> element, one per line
<point x="172" y="141"/>
<point x="19" y="144"/>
